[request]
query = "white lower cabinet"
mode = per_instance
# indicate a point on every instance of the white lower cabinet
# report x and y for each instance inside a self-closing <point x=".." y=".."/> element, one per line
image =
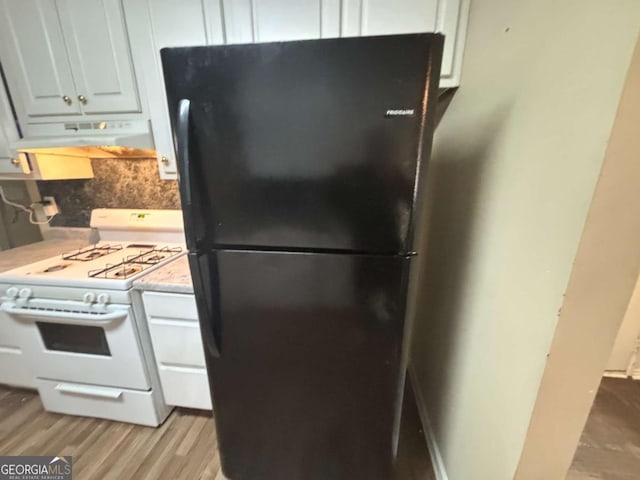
<point x="175" y="335"/>
<point x="185" y="386"/>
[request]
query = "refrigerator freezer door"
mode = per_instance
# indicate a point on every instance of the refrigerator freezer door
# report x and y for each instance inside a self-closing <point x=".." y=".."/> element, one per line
<point x="306" y="386"/>
<point x="306" y="145"/>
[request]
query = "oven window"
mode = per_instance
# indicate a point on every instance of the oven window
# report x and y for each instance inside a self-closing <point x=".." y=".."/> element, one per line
<point x="74" y="338"/>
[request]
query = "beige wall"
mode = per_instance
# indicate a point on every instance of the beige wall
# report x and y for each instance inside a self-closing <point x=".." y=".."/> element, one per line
<point x="516" y="159"/>
<point x="601" y="284"/>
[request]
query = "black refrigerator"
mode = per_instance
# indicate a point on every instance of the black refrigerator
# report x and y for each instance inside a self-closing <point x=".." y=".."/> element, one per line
<point x="301" y="168"/>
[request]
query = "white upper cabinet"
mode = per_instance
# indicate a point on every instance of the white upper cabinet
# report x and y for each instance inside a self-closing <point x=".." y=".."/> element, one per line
<point x="247" y="21"/>
<point x="155" y="24"/>
<point x="382" y="17"/>
<point x="67" y="57"/>
<point x="35" y="60"/>
<point x="98" y="48"/>
<point x="386" y="17"/>
<point x="8" y="133"/>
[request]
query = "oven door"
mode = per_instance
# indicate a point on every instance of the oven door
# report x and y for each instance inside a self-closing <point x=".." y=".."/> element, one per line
<point x="75" y="342"/>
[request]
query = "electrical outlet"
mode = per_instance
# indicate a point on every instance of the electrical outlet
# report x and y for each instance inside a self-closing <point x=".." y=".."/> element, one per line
<point x="49" y="206"/>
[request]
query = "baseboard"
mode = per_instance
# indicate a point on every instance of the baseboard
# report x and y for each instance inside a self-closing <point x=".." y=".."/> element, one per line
<point x="434" y="451"/>
<point x="635" y="374"/>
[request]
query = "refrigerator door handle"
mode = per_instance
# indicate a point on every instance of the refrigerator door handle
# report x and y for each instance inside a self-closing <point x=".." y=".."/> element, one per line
<point x="184" y="172"/>
<point x="203" y="291"/>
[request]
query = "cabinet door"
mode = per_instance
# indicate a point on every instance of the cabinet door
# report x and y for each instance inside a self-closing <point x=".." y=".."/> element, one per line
<point x="98" y="46"/>
<point x="249" y="21"/>
<point x="384" y="17"/>
<point x="8" y="130"/>
<point x="177" y="347"/>
<point x="11" y="165"/>
<point x="153" y="25"/>
<point x="388" y="17"/>
<point x="35" y="59"/>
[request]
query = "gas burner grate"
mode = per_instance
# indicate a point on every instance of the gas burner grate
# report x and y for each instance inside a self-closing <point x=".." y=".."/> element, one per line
<point x="91" y="253"/>
<point x="118" y="271"/>
<point x="154" y="256"/>
<point x="134" y="264"/>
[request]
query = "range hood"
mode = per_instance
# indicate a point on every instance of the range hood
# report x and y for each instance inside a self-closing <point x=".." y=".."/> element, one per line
<point x="56" y="151"/>
<point x="97" y="139"/>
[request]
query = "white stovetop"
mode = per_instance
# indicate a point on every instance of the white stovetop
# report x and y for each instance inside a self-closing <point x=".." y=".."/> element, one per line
<point x="76" y="272"/>
<point x="133" y="232"/>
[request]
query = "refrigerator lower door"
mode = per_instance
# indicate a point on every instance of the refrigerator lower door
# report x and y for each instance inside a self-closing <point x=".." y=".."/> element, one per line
<point x="306" y="384"/>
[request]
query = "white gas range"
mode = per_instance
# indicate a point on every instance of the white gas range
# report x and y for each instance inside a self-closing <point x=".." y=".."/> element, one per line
<point x="71" y="326"/>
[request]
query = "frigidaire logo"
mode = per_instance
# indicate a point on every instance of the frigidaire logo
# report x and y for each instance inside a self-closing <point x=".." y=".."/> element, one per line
<point x="400" y="112"/>
<point x="35" y="468"/>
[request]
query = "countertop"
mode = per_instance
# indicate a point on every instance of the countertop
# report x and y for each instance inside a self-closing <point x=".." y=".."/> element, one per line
<point x="19" y="256"/>
<point x="174" y="277"/>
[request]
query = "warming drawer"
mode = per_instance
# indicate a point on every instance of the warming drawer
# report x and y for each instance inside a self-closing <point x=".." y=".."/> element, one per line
<point x="102" y="402"/>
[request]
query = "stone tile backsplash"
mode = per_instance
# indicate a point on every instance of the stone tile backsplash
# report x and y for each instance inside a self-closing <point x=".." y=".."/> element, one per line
<point x="118" y="183"/>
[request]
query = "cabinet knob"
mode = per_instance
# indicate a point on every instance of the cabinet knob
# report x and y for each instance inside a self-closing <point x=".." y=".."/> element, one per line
<point x="82" y="99"/>
<point x="164" y="160"/>
<point x="15" y="161"/>
<point x="67" y="99"/>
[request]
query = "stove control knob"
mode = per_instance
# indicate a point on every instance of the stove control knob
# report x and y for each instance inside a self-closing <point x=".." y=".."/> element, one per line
<point x="103" y="298"/>
<point x="12" y="292"/>
<point x="89" y="297"/>
<point x="25" y="293"/>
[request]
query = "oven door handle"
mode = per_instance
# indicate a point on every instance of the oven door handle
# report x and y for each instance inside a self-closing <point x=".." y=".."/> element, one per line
<point x="71" y="318"/>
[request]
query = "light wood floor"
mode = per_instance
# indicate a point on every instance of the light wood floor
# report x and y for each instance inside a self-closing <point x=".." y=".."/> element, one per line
<point x="609" y="448"/>
<point x="184" y="447"/>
